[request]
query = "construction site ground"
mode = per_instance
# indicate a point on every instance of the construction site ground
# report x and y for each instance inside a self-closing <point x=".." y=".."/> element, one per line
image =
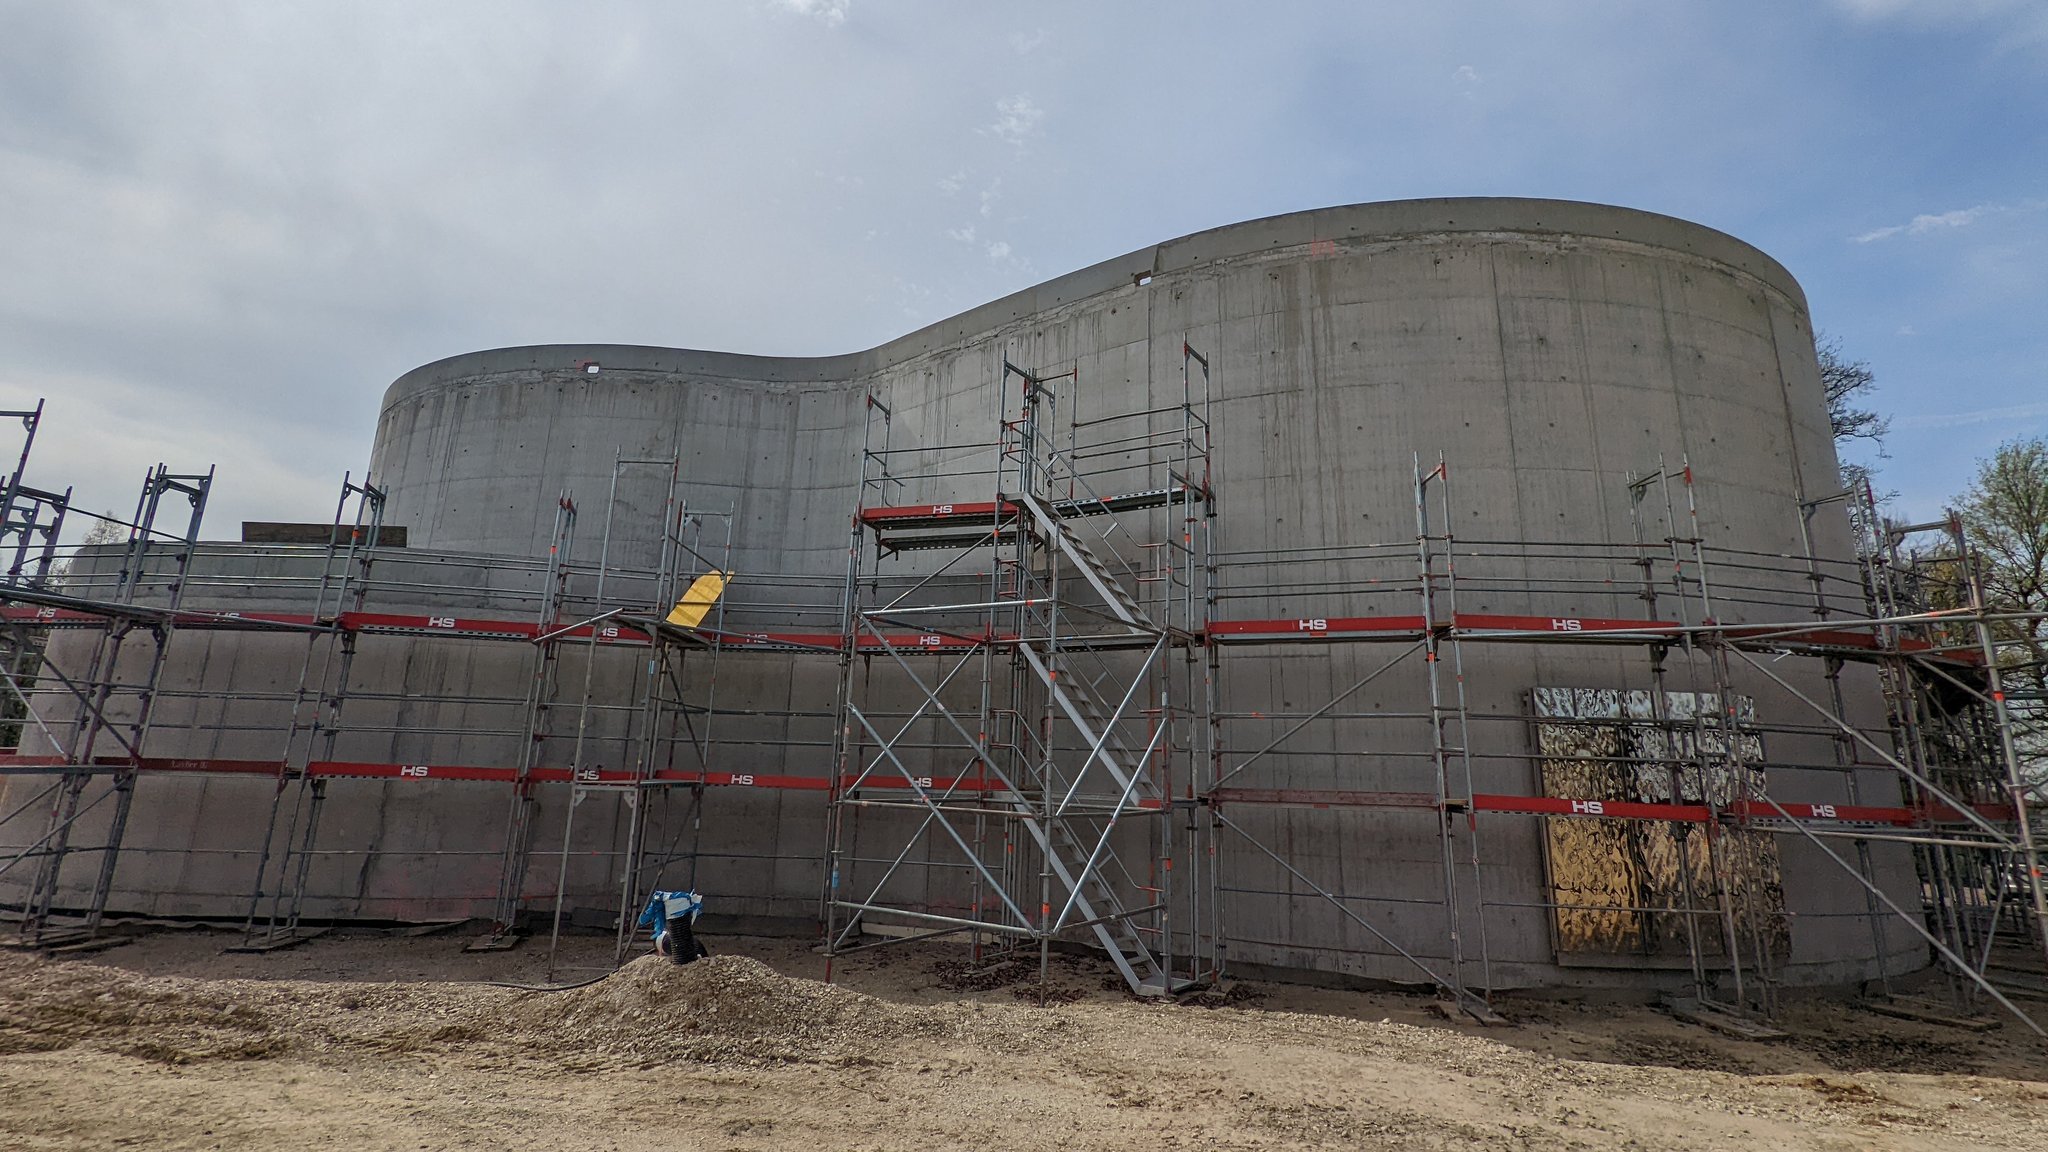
<point x="372" y="1040"/>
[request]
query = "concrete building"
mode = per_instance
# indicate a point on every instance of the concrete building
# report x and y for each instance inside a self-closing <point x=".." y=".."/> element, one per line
<point x="1586" y="375"/>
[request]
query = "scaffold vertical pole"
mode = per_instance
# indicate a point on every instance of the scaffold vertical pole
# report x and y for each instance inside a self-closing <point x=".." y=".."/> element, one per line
<point x="1438" y="623"/>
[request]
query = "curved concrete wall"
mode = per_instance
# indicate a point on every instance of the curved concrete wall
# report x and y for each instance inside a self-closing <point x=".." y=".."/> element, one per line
<point x="1568" y="343"/>
<point x="1549" y="350"/>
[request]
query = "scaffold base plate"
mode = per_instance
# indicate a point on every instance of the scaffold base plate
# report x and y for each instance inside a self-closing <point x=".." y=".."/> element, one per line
<point x="1722" y="1020"/>
<point x="65" y="942"/>
<point x="86" y="947"/>
<point x="1903" y="1008"/>
<point x="1174" y="986"/>
<point x="1481" y="1011"/>
<point x="277" y="943"/>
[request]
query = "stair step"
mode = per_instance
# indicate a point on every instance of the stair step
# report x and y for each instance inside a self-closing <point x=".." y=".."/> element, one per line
<point x="1073" y="698"/>
<point x="1093" y="569"/>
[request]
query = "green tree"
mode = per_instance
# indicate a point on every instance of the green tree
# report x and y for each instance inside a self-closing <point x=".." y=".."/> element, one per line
<point x="2005" y="517"/>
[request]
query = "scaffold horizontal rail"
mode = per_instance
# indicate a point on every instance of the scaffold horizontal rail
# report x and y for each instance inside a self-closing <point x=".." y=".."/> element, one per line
<point x="1493" y="626"/>
<point x="1831" y="636"/>
<point x="484" y="628"/>
<point x="1743" y="811"/>
<point x="980" y="513"/>
<point x="967" y="790"/>
<point x="963" y="788"/>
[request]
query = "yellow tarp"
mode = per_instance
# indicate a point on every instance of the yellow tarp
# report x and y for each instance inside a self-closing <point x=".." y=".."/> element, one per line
<point x="696" y="603"/>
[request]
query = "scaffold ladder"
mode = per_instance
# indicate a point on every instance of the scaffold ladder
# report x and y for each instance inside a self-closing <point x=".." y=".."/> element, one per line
<point x="98" y="691"/>
<point x="542" y="689"/>
<point x="315" y="722"/>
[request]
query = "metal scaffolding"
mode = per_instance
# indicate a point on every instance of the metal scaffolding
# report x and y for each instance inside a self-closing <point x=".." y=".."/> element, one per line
<point x="1710" y="815"/>
<point x="1033" y="737"/>
<point x="1043" y="749"/>
<point x="111" y="696"/>
<point x="315" y="723"/>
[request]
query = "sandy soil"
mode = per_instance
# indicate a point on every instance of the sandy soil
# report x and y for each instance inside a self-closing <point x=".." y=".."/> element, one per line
<point x="376" y="1042"/>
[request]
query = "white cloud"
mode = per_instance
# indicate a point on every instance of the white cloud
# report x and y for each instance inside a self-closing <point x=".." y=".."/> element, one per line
<point x="1000" y="250"/>
<point x="1978" y="416"/>
<point x="100" y="432"/>
<point x="1930" y="222"/>
<point x="1467" y="80"/>
<point x="830" y="13"/>
<point x="1025" y="43"/>
<point x="1017" y="119"/>
<point x="914" y="301"/>
<point x="2024" y="21"/>
<point x="1930" y="9"/>
<point x="346" y="192"/>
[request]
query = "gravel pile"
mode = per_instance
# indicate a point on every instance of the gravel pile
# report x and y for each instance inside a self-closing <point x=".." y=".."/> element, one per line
<point x="46" y="1007"/>
<point x="723" y="1009"/>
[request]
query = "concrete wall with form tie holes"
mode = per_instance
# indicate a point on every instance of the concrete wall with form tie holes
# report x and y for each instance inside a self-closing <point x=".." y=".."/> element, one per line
<point x="1549" y="351"/>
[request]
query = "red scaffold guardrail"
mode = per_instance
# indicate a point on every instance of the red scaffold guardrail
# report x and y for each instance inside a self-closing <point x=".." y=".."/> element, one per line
<point x="1741" y="810"/>
<point x="1753" y="811"/>
<point x="473" y="627"/>
<point x="921" y="513"/>
<point x="1479" y="626"/>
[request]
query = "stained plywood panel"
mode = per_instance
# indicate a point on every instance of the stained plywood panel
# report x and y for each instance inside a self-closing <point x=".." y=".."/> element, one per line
<point x="1635" y="891"/>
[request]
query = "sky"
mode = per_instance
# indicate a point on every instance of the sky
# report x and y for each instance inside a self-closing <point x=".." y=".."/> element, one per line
<point x="226" y="227"/>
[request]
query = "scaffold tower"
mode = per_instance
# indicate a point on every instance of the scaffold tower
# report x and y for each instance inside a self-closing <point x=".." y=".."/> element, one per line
<point x="1041" y="709"/>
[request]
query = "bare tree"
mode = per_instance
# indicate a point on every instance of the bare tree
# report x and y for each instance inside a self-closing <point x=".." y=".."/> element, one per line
<point x="21" y="650"/>
<point x="1843" y="382"/>
<point x="103" y="531"/>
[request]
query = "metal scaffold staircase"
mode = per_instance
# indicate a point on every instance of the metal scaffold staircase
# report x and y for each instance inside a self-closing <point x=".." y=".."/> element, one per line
<point x="1056" y="533"/>
<point x="1082" y="638"/>
<point x="1067" y="836"/>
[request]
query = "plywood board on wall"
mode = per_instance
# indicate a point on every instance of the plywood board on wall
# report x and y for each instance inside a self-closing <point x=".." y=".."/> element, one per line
<point x="1637" y="891"/>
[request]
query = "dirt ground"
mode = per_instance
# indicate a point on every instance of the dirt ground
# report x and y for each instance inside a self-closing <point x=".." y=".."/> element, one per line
<point x="375" y="1041"/>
